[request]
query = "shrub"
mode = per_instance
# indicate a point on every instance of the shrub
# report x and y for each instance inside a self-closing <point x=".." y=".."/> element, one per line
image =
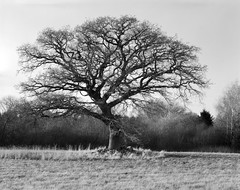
<point x="175" y="132"/>
<point x="134" y="131"/>
<point x="210" y="137"/>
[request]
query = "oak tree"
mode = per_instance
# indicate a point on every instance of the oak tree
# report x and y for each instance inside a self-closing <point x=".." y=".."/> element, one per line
<point x="106" y="64"/>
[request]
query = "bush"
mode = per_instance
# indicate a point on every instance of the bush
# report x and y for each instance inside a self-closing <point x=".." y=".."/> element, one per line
<point x="175" y="132"/>
<point x="83" y="131"/>
<point x="182" y="132"/>
<point x="62" y="132"/>
<point x="210" y="137"/>
<point x="134" y="131"/>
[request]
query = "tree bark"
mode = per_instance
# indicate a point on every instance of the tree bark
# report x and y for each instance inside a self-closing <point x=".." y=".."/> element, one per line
<point x="116" y="136"/>
<point x="116" y="139"/>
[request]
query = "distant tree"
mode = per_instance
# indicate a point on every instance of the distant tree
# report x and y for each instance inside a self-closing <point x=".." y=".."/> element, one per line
<point x="206" y="117"/>
<point x="7" y="114"/>
<point x="107" y="64"/>
<point x="14" y="117"/>
<point x="228" y="109"/>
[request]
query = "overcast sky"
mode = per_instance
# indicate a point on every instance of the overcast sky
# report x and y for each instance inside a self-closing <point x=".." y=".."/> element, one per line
<point x="212" y="25"/>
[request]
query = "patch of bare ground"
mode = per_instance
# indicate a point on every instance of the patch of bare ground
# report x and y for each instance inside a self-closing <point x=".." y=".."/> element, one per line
<point x="170" y="172"/>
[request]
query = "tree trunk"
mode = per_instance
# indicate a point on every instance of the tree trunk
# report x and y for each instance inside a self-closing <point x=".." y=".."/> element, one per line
<point x="116" y="136"/>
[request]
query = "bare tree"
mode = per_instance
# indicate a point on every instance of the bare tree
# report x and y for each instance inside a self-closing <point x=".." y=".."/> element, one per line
<point x="105" y="64"/>
<point x="14" y="114"/>
<point x="229" y="112"/>
<point x="7" y="115"/>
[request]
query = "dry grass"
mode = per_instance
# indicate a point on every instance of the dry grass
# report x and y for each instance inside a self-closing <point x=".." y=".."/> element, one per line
<point x="100" y="169"/>
<point x="74" y="155"/>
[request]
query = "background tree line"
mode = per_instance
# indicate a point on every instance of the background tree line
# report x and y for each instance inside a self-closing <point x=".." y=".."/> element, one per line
<point x="157" y="126"/>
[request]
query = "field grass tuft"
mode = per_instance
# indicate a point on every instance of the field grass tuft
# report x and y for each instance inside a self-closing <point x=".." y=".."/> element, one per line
<point x="37" y="153"/>
<point x="57" y="154"/>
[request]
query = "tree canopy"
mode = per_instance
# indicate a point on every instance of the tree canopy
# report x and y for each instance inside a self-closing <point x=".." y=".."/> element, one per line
<point x="105" y="63"/>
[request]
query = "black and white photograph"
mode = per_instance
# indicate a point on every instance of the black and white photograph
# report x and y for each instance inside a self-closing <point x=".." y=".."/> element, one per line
<point x="119" y="94"/>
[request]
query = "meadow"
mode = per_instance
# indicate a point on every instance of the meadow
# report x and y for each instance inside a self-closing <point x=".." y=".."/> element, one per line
<point x="101" y="169"/>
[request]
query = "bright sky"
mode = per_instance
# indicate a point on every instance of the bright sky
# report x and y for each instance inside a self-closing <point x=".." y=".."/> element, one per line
<point x="212" y="25"/>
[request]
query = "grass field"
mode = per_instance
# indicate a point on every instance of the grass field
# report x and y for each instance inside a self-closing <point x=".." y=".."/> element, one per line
<point x="57" y="169"/>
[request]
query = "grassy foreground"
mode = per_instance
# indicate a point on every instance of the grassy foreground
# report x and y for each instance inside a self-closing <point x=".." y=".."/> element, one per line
<point x="74" y="155"/>
<point x="101" y="169"/>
